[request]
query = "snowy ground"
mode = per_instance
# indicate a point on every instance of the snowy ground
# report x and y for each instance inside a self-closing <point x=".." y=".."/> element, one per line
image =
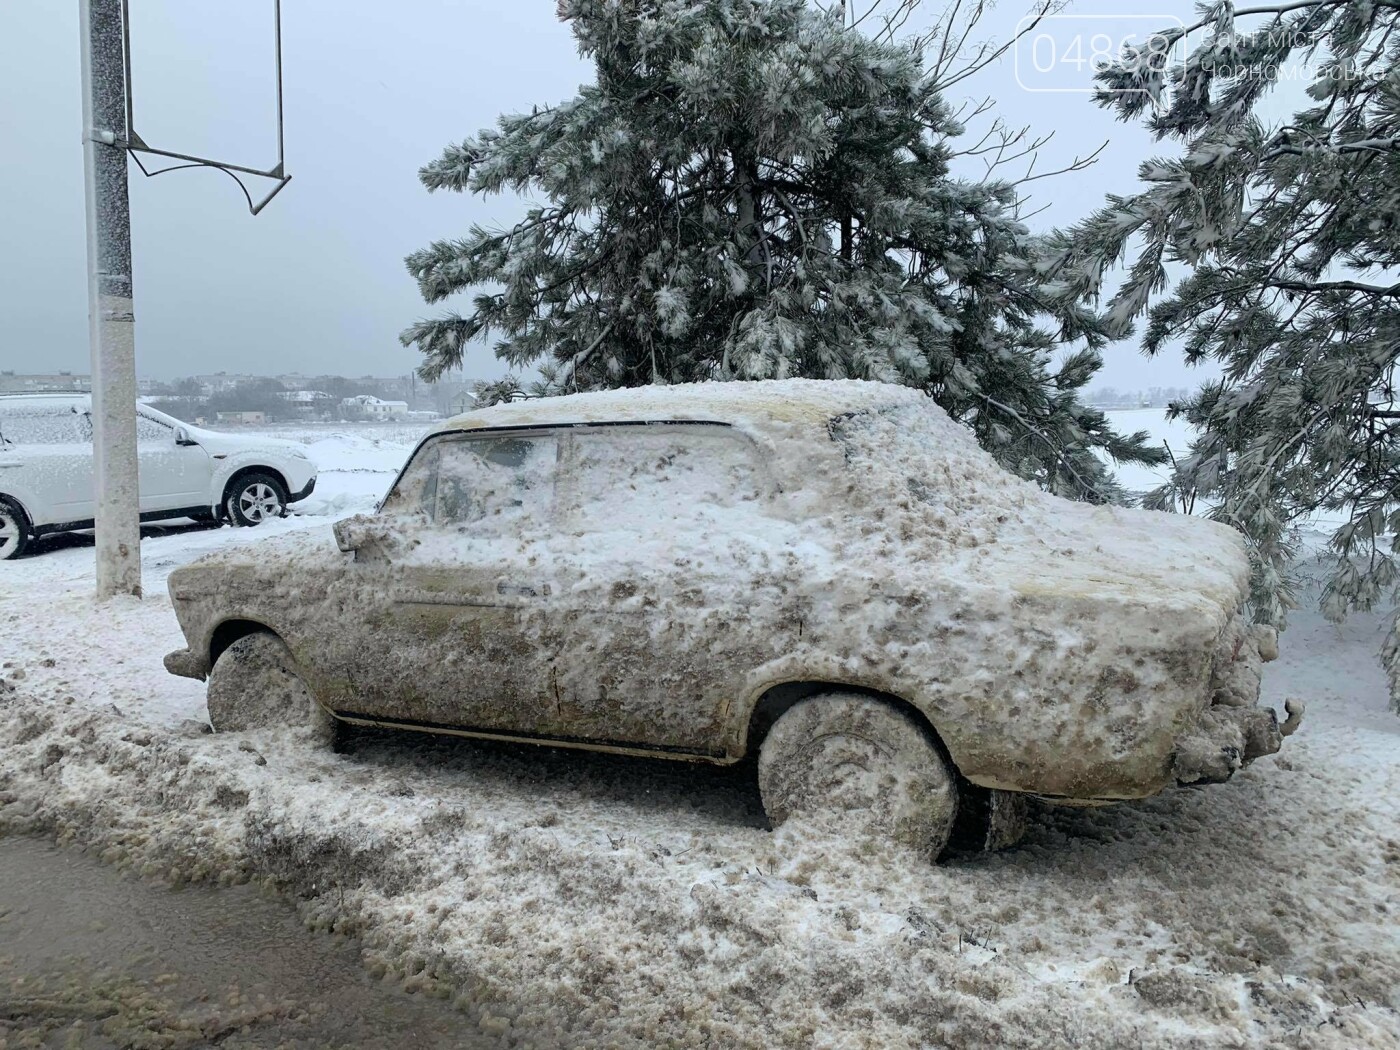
<point x="566" y="899"/>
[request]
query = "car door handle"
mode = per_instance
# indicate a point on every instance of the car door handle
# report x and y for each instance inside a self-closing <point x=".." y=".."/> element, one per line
<point x="520" y="590"/>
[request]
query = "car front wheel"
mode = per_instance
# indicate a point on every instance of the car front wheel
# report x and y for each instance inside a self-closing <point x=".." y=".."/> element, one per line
<point x="255" y="498"/>
<point x="862" y="763"/>
<point x="14" y="530"/>
<point x="255" y="684"/>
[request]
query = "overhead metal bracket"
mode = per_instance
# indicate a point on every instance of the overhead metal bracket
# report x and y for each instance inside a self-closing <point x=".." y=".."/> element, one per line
<point x="136" y="145"/>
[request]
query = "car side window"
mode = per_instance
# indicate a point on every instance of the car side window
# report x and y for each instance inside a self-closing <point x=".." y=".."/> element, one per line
<point x="50" y="428"/>
<point x="498" y="484"/>
<point x="661" y="477"/>
<point x="153" y="432"/>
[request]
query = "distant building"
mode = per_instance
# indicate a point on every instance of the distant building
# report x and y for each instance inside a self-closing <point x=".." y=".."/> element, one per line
<point x="310" y="402"/>
<point x="372" y="407"/>
<point x="44" y="383"/>
<point x="220" y="382"/>
<point x="242" y="417"/>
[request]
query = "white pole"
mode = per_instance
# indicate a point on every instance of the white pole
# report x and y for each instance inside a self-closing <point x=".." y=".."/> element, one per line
<point x="111" y="321"/>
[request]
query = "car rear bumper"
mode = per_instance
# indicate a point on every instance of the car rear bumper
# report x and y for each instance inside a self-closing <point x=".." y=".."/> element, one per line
<point x="301" y="494"/>
<point x="1233" y="730"/>
<point x="187" y="664"/>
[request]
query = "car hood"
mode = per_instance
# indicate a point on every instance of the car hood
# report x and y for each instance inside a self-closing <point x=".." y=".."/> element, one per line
<point x="306" y="550"/>
<point x="217" y="443"/>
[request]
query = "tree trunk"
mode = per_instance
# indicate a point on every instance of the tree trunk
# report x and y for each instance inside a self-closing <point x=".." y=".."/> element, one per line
<point x="746" y="175"/>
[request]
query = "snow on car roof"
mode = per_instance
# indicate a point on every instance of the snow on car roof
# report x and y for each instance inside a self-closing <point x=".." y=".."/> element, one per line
<point x="44" y="402"/>
<point x="780" y="400"/>
<point x="941" y="497"/>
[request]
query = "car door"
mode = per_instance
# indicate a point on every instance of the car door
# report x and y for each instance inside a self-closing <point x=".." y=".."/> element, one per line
<point x="675" y="564"/>
<point x="46" y="462"/>
<point x="454" y="601"/>
<point x="173" y="476"/>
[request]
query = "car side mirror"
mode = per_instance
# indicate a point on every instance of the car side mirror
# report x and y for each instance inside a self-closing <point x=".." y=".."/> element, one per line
<point x="363" y="530"/>
<point x="182" y="437"/>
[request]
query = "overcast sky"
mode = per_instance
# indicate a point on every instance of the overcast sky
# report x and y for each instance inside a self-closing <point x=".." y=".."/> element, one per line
<point x="373" y="90"/>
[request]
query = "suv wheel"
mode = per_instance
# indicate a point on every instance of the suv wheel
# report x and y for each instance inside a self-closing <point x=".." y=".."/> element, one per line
<point x="255" y="684"/>
<point x="254" y="498"/>
<point x="14" y="530"/>
<point x="853" y="758"/>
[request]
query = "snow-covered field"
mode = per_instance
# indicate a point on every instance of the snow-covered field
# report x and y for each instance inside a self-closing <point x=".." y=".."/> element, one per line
<point x="566" y="899"/>
<point x="1175" y="434"/>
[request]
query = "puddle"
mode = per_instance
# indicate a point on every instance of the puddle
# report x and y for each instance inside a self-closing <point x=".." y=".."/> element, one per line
<point x="91" y="958"/>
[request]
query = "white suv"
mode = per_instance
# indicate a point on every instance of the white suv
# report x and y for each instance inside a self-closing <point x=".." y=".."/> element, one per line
<point x="46" y="479"/>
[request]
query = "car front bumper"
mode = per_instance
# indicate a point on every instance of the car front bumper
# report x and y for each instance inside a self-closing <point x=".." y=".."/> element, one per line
<point x="187" y="664"/>
<point x="301" y="494"/>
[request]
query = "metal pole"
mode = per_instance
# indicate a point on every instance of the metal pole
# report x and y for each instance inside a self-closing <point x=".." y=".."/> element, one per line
<point x="111" y="321"/>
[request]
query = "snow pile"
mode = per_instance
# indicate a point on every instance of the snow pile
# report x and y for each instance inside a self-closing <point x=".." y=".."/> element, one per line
<point x="590" y="900"/>
<point x="746" y="405"/>
<point x="572" y="899"/>
<point x="930" y="489"/>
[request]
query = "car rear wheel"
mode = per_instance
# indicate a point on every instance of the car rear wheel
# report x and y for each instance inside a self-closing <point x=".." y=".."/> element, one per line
<point x="860" y="762"/>
<point x="255" y="684"/>
<point x="14" y="530"/>
<point x="255" y="498"/>
<point x="990" y="820"/>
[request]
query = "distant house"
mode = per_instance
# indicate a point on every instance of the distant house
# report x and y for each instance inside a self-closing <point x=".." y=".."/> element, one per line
<point x="372" y="407"/>
<point x="242" y="417"/>
<point x="46" y="383"/>
<point x="309" y="402"/>
<point x="221" y="382"/>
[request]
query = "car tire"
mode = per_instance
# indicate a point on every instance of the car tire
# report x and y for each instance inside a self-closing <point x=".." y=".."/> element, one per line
<point x="255" y="684"/>
<point x="14" y="530"/>
<point x="254" y="498"/>
<point x="990" y="820"/>
<point x="859" y="761"/>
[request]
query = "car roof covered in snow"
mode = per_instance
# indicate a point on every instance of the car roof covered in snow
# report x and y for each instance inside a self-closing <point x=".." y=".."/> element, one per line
<point x="737" y="403"/>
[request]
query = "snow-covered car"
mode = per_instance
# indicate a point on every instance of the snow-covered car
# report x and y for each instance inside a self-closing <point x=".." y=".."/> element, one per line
<point x="46" y="472"/>
<point x="830" y="574"/>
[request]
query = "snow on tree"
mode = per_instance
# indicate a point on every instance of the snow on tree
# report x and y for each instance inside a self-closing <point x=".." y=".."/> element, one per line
<point x="751" y="189"/>
<point x="1292" y="236"/>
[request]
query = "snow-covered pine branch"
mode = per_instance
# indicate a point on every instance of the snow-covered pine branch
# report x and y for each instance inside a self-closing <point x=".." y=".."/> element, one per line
<point x="758" y="189"/>
<point x="1292" y="236"/>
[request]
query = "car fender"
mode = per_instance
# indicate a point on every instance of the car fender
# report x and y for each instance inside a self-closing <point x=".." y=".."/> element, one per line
<point x="295" y="473"/>
<point x="825" y="672"/>
<point x="14" y="489"/>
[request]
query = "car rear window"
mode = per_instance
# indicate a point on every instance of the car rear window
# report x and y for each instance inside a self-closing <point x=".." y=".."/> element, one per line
<point x="46" y="428"/>
<point x="659" y="476"/>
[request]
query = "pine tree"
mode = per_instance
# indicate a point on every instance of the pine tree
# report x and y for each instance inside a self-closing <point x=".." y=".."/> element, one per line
<point x="1292" y="237"/>
<point x="750" y="189"/>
